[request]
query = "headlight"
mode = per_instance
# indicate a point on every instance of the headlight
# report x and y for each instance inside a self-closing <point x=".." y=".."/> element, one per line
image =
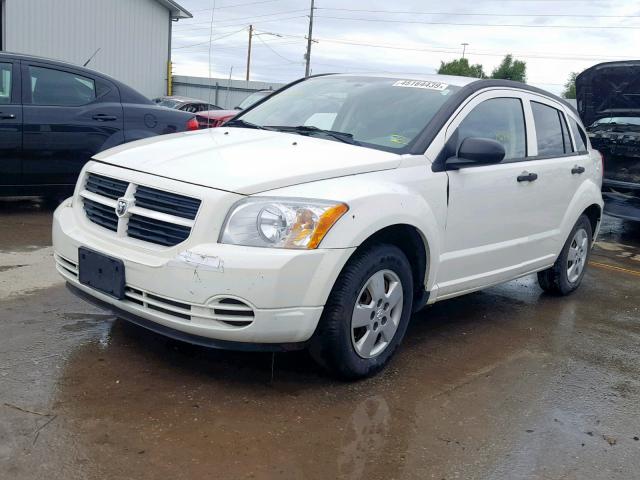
<point x="280" y="222"/>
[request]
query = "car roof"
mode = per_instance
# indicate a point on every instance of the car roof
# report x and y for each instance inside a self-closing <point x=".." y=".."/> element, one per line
<point x="53" y="61"/>
<point x="450" y="79"/>
<point x="127" y="93"/>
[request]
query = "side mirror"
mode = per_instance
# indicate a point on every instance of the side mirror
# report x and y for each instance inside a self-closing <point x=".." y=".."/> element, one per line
<point x="477" y="151"/>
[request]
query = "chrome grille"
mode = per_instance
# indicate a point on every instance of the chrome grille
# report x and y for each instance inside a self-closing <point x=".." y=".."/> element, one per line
<point x="106" y="187"/>
<point x="156" y="231"/>
<point x="166" y="202"/>
<point x="154" y="216"/>
<point x="101" y="214"/>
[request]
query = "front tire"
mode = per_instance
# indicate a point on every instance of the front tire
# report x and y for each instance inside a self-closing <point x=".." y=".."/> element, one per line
<point x="367" y="313"/>
<point x="566" y="275"/>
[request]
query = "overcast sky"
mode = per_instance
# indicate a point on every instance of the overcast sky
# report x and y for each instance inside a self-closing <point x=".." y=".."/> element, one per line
<point x="404" y="36"/>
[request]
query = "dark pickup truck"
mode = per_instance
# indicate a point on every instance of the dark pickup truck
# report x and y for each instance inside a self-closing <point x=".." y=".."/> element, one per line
<point x="55" y="116"/>
<point x="608" y="97"/>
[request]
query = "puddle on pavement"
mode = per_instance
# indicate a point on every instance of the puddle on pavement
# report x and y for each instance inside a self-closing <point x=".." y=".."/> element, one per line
<point x="25" y="224"/>
<point x="506" y="383"/>
<point x="479" y="384"/>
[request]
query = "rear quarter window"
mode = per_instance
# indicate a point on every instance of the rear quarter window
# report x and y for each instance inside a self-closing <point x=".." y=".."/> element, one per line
<point x="579" y="135"/>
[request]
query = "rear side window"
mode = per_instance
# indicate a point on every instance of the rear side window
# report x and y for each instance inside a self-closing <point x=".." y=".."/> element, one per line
<point x="5" y="83"/>
<point x="551" y="130"/>
<point x="579" y="136"/>
<point x="500" y="119"/>
<point x="55" y="87"/>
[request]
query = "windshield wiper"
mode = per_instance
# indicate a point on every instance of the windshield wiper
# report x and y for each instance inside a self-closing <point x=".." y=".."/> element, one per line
<point x="311" y="130"/>
<point x="241" y="123"/>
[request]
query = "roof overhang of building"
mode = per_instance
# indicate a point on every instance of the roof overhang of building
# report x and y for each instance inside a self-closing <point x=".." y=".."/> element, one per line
<point x="177" y="12"/>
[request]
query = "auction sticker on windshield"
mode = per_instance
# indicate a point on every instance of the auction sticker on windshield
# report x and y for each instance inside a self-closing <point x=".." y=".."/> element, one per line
<point x="421" y="84"/>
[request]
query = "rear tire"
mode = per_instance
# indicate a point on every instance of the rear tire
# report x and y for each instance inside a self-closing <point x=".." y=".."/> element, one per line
<point x="366" y="315"/>
<point x="566" y="274"/>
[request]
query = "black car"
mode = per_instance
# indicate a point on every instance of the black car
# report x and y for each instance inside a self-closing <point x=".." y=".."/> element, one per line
<point x="186" y="104"/>
<point x="55" y="116"/>
<point x="608" y="96"/>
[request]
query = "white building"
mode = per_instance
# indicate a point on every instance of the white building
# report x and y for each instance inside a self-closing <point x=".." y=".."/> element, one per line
<point x="132" y="37"/>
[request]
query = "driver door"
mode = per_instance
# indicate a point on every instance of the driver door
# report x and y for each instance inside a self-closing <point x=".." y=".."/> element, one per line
<point x="496" y="227"/>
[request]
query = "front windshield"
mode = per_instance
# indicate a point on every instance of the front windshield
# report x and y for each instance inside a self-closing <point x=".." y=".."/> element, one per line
<point x="382" y="113"/>
<point x="253" y="98"/>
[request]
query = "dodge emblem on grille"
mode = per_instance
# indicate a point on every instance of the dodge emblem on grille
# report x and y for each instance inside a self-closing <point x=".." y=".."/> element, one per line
<point x="121" y="207"/>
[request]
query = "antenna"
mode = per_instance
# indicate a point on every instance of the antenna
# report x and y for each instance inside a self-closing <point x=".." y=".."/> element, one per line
<point x="91" y="57"/>
<point x="213" y="9"/>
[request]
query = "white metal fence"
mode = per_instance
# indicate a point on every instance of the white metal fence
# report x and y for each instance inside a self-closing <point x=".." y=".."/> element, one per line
<point x="220" y="91"/>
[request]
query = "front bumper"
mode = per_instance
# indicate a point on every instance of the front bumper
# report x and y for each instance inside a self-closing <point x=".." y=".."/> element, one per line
<point x="278" y="295"/>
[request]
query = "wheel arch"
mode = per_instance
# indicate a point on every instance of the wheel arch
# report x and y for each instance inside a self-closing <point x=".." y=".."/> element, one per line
<point x="594" y="214"/>
<point x="414" y="245"/>
<point x="588" y="201"/>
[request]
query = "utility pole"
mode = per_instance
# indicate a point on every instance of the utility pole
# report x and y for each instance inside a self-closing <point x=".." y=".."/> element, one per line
<point x="464" y="48"/>
<point x="308" y="55"/>
<point x="249" y="51"/>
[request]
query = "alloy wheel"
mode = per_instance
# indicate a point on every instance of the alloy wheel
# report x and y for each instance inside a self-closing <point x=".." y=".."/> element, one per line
<point x="377" y="313"/>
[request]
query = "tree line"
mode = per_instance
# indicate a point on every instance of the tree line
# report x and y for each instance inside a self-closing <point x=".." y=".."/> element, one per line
<point x="509" y="69"/>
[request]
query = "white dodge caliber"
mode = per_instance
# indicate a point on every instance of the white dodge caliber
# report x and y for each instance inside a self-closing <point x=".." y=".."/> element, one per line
<point x="324" y="215"/>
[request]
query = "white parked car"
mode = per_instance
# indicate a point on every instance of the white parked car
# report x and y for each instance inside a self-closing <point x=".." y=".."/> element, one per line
<point x="326" y="215"/>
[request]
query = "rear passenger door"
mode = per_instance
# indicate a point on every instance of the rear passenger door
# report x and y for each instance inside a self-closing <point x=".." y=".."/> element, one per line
<point x="560" y="160"/>
<point x="69" y="116"/>
<point x="10" y="123"/>
<point x="498" y="225"/>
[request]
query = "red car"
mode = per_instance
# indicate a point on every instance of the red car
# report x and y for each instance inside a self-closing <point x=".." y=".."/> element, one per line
<point x="215" y="118"/>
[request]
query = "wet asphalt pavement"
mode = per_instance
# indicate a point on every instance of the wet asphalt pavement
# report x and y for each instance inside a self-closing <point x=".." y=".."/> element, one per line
<point x="508" y="383"/>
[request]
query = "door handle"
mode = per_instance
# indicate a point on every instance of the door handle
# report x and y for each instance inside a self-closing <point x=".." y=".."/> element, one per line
<point x="101" y="117"/>
<point x="527" y="177"/>
<point x="7" y="116"/>
<point x="577" y="169"/>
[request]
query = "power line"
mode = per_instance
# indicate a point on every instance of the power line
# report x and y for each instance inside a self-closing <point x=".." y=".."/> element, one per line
<point x="519" y="25"/>
<point x="186" y="25"/>
<point x="456" y="51"/>
<point x="235" y="5"/>
<point x="254" y="23"/>
<point x="276" y="53"/>
<point x="455" y="14"/>
<point x="207" y="42"/>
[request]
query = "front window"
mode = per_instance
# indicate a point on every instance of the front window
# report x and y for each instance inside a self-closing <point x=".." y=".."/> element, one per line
<point x="381" y="113"/>
<point x="499" y="119"/>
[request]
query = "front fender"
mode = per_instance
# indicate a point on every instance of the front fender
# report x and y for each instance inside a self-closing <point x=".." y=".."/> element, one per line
<point x="405" y="196"/>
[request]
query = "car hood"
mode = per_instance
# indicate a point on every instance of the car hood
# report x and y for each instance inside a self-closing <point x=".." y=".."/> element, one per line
<point x="246" y="161"/>
<point x="609" y="90"/>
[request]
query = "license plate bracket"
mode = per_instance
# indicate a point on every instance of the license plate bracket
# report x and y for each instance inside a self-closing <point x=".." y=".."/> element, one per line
<point x="101" y="272"/>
